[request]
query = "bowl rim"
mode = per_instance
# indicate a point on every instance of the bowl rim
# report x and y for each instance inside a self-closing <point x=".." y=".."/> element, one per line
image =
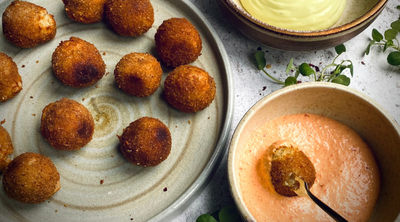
<point x="368" y="16"/>
<point x="232" y="178"/>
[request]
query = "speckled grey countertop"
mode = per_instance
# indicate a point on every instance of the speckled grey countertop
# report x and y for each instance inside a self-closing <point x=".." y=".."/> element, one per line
<point x="373" y="76"/>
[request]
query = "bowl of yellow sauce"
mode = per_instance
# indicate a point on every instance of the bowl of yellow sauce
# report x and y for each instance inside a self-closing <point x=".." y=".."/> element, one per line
<point x="352" y="142"/>
<point x="301" y="25"/>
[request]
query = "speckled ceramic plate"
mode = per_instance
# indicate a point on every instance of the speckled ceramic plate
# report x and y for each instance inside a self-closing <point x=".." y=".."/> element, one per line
<point x="127" y="192"/>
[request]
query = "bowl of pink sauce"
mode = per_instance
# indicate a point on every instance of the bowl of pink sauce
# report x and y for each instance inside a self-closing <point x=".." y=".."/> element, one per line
<point x="351" y="140"/>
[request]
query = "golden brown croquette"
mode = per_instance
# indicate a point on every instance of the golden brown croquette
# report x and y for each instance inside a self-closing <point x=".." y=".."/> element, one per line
<point x="10" y="80"/>
<point x="67" y="125"/>
<point x="85" y="11"/>
<point x="31" y="178"/>
<point x="178" y="42"/>
<point x="130" y="17"/>
<point x="146" y="142"/>
<point x="77" y="63"/>
<point x="288" y="162"/>
<point x="189" y="88"/>
<point x="138" y="74"/>
<point x="27" y="25"/>
<point x="6" y="148"/>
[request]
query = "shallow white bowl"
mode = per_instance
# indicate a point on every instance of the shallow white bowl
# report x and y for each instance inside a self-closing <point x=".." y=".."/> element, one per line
<point x="366" y="117"/>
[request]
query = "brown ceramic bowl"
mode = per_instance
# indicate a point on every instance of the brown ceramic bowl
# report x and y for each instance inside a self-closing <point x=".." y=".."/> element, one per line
<point x="357" y="16"/>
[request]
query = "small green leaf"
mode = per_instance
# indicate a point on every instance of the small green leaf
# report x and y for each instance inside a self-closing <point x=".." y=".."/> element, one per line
<point x="229" y="214"/>
<point x="341" y="79"/>
<point x="289" y="67"/>
<point x="369" y="47"/>
<point x="388" y="44"/>
<point x="391" y="34"/>
<point x="398" y="7"/>
<point x="206" y="218"/>
<point x="351" y="69"/>
<point x="290" y="81"/>
<point x="396" y="25"/>
<point x="340" y="49"/>
<point x="260" y="60"/>
<point x="376" y="35"/>
<point x="306" y="70"/>
<point x="394" y="58"/>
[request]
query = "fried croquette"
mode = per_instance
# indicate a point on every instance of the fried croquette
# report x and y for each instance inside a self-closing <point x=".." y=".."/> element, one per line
<point x="85" y="11"/>
<point x="138" y="74"/>
<point x="146" y="142"/>
<point x="130" y="17"/>
<point x="288" y="162"/>
<point x="10" y="80"/>
<point x="67" y="125"/>
<point x="6" y="148"/>
<point x="27" y="25"/>
<point x="178" y="42"/>
<point x="189" y="88"/>
<point x="31" y="178"/>
<point x="77" y="63"/>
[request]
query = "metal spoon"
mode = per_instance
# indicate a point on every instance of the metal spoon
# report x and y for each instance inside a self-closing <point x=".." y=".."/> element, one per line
<point x="304" y="191"/>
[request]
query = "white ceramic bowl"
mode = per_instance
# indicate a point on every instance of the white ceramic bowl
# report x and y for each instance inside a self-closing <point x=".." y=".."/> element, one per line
<point x="366" y="117"/>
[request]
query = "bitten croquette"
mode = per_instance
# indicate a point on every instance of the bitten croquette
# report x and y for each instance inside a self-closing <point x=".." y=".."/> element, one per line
<point x="178" y="42"/>
<point x="31" y="178"/>
<point x="67" y="125"/>
<point x="130" y="17"/>
<point x="138" y="74"/>
<point x="146" y="142"/>
<point x="27" y="25"/>
<point x="85" y="11"/>
<point x="10" y="80"/>
<point x="77" y="63"/>
<point x="189" y="88"/>
<point x="6" y="148"/>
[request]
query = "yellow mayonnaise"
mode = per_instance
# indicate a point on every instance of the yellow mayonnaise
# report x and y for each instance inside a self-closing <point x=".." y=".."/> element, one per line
<point x="299" y="15"/>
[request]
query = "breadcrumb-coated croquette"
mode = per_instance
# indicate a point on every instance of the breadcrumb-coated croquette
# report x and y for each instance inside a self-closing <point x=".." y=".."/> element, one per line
<point x="10" y="80"/>
<point x="146" y="142"/>
<point x="31" y="178"/>
<point x="178" y="42"/>
<point x="67" y="125"/>
<point x="287" y="162"/>
<point x="130" y="17"/>
<point x="189" y="88"/>
<point x="77" y="63"/>
<point x="138" y="74"/>
<point x="26" y="24"/>
<point x="85" y="11"/>
<point x="6" y="148"/>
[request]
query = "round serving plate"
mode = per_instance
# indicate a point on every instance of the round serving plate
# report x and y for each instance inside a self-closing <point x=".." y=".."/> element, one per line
<point x="97" y="183"/>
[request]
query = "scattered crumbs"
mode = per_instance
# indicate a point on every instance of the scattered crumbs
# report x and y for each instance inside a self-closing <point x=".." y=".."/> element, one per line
<point x="189" y="122"/>
<point x="107" y="73"/>
<point x="176" y="126"/>
<point x="23" y="66"/>
<point x="37" y="61"/>
<point x="165" y="189"/>
<point x="83" y="99"/>
<point x="131" y="218"/>
<point x="48" y="201"/>
<point x="268" y="66"/>
<point x="73" y="156"/>
<point x="31" y="97"/>
<point x="65" y="205"/>
<point x="264" y="88"/>
<point x="362" y="62"/>
<point x="259" y="48"/>
<point x="56" y="211"/>
<point x="104" y="53"/>
<point x="97" y="86"/>
<point x="112" y="155"/>
<point x="34" y="114"/>
<point x="52" y="82"/>
<point x="101" y="182"/>
<point x="3" y="121"/>
<point x="208" y="117"/>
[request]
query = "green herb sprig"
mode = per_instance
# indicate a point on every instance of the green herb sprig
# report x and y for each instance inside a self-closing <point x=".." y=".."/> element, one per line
<point x="226" y="214"/>
<point x="334" y="76"/>
<point x="389" y="41"/>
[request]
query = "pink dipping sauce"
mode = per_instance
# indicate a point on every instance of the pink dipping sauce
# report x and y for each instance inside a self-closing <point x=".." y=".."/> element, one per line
<point x="347" y="175"/>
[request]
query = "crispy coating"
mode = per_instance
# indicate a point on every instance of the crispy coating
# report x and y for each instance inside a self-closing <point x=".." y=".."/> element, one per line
<point x="6" y="148"/>
<point x="85" y="11"/>
<point x="31" y="178"/>
<point x="178" y="42"/>
<point x="138" y="74"/>
<point x="288" y="162"/>
<point x="67" y="125"/>
<point x="146" y="142"/>
<point x="189" y="88"/>
<point x="10" y="80"/>
<point x="130" y="17"/>
<point x="77" y="63"/>
<point x="27" y="25"/>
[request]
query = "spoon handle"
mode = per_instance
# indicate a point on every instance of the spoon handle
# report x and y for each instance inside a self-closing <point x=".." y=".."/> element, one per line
<point x="325" y="207"/>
